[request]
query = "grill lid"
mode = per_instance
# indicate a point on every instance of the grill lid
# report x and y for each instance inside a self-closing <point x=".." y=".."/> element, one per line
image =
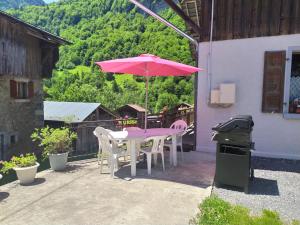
<point x="240" y="122"/>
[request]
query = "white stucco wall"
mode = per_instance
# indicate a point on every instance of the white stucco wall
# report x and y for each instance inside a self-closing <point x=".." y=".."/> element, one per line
<point x="242" y="61"/>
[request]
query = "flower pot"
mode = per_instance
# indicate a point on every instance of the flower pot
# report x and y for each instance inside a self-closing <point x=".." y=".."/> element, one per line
<point x="58" y="161"/>
<point x="26" y="175"/>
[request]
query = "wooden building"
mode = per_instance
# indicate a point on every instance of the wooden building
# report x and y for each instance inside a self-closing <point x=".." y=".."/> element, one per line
<point x="82" y="117"/>
<point x="251" y="63"/>
<point x="56" y="114"/>
<point x="27" y="55"/>
<point x="133" y="111"/>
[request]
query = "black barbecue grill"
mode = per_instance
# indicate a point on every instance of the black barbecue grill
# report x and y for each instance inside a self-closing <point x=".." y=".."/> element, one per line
<point x="233" y="157"/>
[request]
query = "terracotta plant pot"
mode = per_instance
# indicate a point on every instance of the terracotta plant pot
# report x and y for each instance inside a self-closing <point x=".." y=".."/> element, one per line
<point x="26" y="175"/>
<point x="58" y="161"/>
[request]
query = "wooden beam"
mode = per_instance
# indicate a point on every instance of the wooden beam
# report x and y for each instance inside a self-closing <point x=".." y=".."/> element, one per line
<point x="186" y="18"/>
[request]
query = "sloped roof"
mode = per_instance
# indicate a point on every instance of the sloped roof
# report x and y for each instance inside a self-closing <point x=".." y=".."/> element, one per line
<point x="72" y="112"/>
<point x="35" y="31"/>
<point x="137" y="107"/>
<point x="184" y="104"/>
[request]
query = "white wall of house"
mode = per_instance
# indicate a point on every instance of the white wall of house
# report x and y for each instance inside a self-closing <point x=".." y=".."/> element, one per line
<point x="242" y="62"/>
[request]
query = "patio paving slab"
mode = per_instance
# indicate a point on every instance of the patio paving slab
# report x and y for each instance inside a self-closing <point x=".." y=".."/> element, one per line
<point x="81" y="195"/>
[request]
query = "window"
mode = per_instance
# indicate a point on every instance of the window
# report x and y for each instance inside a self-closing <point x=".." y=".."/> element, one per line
<point x="292" y="84"/>
<point x="21" y="89"/>
<point x="13" y="139"/>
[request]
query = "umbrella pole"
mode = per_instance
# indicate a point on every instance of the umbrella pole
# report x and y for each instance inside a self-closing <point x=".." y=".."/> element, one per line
<point x="146" y="102"/>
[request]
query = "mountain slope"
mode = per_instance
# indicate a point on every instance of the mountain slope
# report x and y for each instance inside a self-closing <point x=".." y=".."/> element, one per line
<point x="109" y="29"/>
<point x="16" y="4"/>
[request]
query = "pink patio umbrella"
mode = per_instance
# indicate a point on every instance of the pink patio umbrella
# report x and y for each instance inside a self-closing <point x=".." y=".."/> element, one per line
<point x="147" y="65"/>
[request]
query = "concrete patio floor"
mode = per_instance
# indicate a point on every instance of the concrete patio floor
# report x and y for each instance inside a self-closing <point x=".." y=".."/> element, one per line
<point x="81" y="195"/>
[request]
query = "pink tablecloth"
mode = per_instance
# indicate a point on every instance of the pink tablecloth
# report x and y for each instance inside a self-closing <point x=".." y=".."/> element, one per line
<point x="138" y="134"/>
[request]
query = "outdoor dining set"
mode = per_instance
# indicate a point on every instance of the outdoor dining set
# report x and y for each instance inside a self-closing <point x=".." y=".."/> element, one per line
<point x="133" y="141"/>
<point x="137" y="140"/>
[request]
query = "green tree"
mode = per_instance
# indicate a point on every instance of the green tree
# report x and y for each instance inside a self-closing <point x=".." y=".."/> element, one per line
<point x="108" y="29"/>
<point x="166" y="99"/>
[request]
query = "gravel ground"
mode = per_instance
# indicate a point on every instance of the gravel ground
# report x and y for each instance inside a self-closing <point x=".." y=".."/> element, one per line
<point x="276" y="186"/>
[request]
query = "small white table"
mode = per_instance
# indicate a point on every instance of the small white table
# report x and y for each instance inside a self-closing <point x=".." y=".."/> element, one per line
<point x="132" y="136"/>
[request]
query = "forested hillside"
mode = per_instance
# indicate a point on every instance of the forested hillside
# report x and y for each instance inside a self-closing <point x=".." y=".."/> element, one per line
<point x="16" y="4"/>
<point x="108" y="29"/>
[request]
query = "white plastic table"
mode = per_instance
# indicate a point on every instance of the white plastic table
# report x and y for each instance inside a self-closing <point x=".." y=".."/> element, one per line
<point x="132" y="136"/>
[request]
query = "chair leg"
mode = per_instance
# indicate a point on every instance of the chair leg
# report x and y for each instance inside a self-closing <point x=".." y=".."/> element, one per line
<point x="109" y="161"/>
<point x="170" y="151"/>
<point x="181" y="148"/>
<point x="116" y="162"/>
<point x="149" y="163"/>
<point x="101" y="165"/>
<point x="112" y="166"/>
<point x="163" y="160"/>
<point x="155" y="159"/>
<point x="99" y="156"/>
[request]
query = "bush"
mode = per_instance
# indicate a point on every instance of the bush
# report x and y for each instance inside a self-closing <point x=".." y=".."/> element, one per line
<point x="215" y="211"/>
<point x="21" y="161"/>
<point x="54" y="141"/>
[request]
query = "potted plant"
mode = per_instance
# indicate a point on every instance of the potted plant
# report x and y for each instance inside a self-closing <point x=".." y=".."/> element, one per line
<point x="24" y="165"/>
<point x="56" y="143"/>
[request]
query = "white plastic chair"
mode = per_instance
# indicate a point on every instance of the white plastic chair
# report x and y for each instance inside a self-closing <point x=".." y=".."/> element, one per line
<point x="179" y="125"/>
<point x="108" y="147"/>
<point x="156" y="148"/>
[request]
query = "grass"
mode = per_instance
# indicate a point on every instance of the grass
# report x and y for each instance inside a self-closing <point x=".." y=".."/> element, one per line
<point x="215" y="211"/>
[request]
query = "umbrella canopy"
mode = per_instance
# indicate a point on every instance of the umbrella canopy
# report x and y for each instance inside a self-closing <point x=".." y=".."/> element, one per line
<point x="147" y="65"/>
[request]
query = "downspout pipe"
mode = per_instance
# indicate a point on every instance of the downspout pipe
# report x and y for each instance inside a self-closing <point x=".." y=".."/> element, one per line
<point x="209" y="57"/>
<point x="183" y="34"/>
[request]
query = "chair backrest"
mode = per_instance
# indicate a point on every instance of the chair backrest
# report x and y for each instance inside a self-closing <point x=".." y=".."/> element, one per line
<point x="105" y="140"/>
<point x="158" y="143"/>
<point x="179" y="125"/>
<point x="131" y="129"/>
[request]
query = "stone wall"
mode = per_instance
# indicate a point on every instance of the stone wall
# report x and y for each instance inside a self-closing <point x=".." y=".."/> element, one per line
<point x="19" y="117"/>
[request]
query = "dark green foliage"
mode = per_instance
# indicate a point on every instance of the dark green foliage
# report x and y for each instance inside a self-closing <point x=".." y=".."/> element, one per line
<point x="110" y="29"/>
<point x="215" y="211"/>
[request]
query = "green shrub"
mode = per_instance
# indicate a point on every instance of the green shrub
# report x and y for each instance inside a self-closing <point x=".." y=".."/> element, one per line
<point x="215" y="211"/>
<point x="54" y="141"/>
<point x="21" y="161"/>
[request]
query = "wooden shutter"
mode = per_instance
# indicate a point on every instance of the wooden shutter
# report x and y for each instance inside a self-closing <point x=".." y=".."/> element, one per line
<point x="13" y="89"/>
<point x="30" y="89"/>
<point x="273" y="86"/>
